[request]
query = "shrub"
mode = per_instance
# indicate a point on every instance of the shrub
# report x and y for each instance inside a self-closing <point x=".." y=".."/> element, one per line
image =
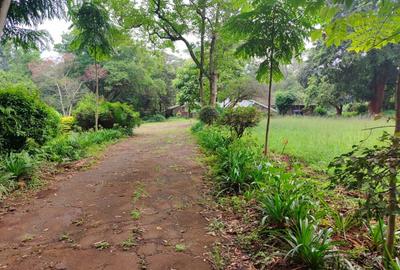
<point x="211" y="138"/>
<point x="67" y="123"/>
<point x="19" y="165"/>
<point x="199" y="126"/>
<point x="24" y="116"/>
<point x="236" y="163"/>
<point x="155" y="118"/>
<point x="208" y="115"/>
<point x="309" y="245"/>
<point x="241" y="118"/>
<point x="111" y="114"/>
<point x="69" y="147"/>
<point x="284" y="200"/>
<point x="7" y="184"/>
<point x="357" y="108"/>
<point x="284" y="100"/>
<point x="321" y="111"/>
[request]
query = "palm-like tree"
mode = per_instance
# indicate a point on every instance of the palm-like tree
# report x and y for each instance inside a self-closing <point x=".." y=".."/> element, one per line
<point x="19" y="17"/>
<point x="92" y="33"/>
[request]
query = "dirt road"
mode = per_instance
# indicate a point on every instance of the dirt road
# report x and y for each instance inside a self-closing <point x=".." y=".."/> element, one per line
<point x="140" y="207"/>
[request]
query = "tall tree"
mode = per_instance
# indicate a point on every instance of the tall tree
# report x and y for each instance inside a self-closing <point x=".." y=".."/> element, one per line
<point x="92" y="33"/>
<point x="273" y="30"/>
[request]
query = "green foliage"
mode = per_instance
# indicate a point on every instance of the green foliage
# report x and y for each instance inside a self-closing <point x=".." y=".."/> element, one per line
<point x="187" y="85"/>
<point x="155" y="118"/>
<point x="19" y="165"/>
<point x="284" y="199"/>
<point x="67" y="123"/>
<point x="284" y="100"/>
<point x="69" y="147"/>
<point x="377" y="233"/>
<point x="7" y="184"/>
<point x="208" y="115"/>
<point x="369" y="170"/>
<point x="94" y="35"/>
<point x="24" y="116"/>
<point x="236" y="165"/>
<point x="211" y="138"/>
<point x="241" y="118"/>
<point x="111" y="114"/>
<point x="310" y="245"/>
<point x="266" y="35"/>
<point x="321" y="111"/>
<point x="197" y="127"/>
<point x="24" y="16"/>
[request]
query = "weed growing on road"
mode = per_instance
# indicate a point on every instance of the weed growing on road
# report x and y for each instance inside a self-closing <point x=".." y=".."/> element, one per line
<point x="180" y="247"/>
<point x="102" y="245"/>
<point x="135" y="214"/>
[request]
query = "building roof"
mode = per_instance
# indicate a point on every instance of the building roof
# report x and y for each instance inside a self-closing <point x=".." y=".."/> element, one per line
<point x="246" y="103"/>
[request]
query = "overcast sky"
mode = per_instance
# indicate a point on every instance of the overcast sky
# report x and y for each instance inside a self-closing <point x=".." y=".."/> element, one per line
<point x="57" y="27"/>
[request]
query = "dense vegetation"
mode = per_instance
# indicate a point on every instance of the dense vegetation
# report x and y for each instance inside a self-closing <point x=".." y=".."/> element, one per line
<point x="114" y="69"/>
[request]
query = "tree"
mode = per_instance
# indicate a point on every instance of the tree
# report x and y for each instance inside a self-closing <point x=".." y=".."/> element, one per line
<point x="368" y="29"/>
<point x="186" y="84"/>
<point x="19" y="18"/>
<point x="267" y="35"/>
<point x="58" y="86"/>
<point x="93" y="35"/>
<point x="354" y="77"/>
<point x="167" y="22"/>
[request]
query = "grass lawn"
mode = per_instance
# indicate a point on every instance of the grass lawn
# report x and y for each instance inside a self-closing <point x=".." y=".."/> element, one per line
<point x="318" y="140"/>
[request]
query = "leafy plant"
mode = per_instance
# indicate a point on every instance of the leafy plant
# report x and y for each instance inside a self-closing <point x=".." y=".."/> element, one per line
<point x="155" y="118"/>
<point x="180" y="247"/>
<point x="19" y="165"/>
<point x="377" y="233"/>
<point x="344" y="222"/>
<point x="235" y="165"/>
<point x="212" y="138"/>
<point x="24" y="116"/>
<point x="309" y="245"/>
<point x="239" y="119"/>
<point x="284" y="100"/>
<point x="284" y="199"/>
<point x="208" y="115"/>
<point x="374" y="172"/>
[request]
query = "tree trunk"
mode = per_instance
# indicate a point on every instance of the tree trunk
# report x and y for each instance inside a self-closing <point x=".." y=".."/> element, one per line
<point x="96" y="114"/>
<point x="397" y="129"/>
<point x="392" y="216"/>
<point x="61" y="100"/>
<point x="378" y="95"/>
<point x="4" y="7"/>
<point x="213" y="72"/>
<point x="202" y="53"/>
<point x="392" y="208"/>
<point x="271" y="58"/>
<point x="269" y="103"/>
<point x="339" y="110"/>
<point x="213" y="58"/>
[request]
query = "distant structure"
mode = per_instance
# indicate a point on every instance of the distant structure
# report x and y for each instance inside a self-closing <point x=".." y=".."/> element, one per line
<point x="248" y="103"/>
<point x="177" y="110"/>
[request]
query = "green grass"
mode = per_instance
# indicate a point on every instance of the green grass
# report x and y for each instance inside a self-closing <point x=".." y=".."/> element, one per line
<point x="317" y="140"/>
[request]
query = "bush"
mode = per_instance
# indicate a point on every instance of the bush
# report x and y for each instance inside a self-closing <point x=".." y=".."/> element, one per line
<point x="236" y="165"/>
<point x="24" y="116"/>
<point x="241" y="118"/>
<point x="18" y="165"/>
<point x="67" y="123"/>
<point x="111" y="114"/>
<point x="357" y="108"/>
<point x="310" y="245"/>
<point x="211" y="138"/>
<point x="284" y="100"/>
<point x="69" y="147"/>
<point x="208" y="115"/>
<point x="199" y="126"/>
<point x="155" y="118"/>
<point x="321" y="111"/>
